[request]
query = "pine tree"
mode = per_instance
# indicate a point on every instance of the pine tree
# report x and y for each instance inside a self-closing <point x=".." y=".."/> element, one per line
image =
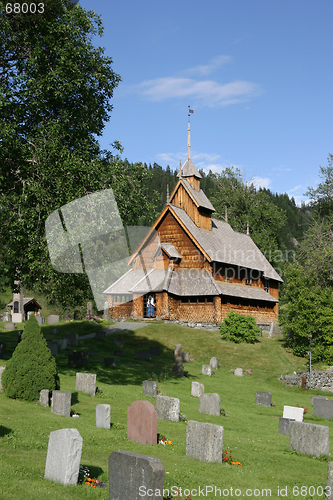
<point x="32" y="366"/>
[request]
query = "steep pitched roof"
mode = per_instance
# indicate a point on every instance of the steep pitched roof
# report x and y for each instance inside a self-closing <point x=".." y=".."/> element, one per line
<point x="189" y="169"/>
<point x="223" y="244"/>
<point x="198" y="197"/>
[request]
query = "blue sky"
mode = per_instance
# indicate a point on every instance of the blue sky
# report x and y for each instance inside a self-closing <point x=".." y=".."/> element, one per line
<point x="258" y="75"/>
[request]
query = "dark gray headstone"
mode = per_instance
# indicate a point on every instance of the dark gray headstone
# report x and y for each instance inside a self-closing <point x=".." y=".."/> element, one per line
<point x="178" y="369"/>
<point x="61" y="403"/>
<point x="323" y="408"/>
<point x="309" y="439"/>
<point x="149" y="388"/>
<point x="204" y="441"/>
<point x="103" y="414"/>
<point x="197" y="389"/>
<point x="78" y="358"/>
<point x="210" y="404"/>
<point x="135" y="477"/>
<point x="167" y="408"/>
<point x="86" y="382"/>
<point x="316" y="397"/>
<point x="55" y="331"/>
<point x="41" y="320"/>
<point x="120" y="353"/>
<point x="214" y="363"/>
<point x="53" y="346"/>
<point x="53" y="319"/>
<point x="110" y="362"/>
<point x="2" y="350"/>
<point x="284" y="426"/>
<point x="154" y="350"/>
<point x="100" y="335"/>
<point x="142" y="355"/>
<point x="119" y="342"/>
<point x="72" y="339"/>
<point x="263" y="398"/>
<point x="44" y="397"/>
<point x="63" y="456"/>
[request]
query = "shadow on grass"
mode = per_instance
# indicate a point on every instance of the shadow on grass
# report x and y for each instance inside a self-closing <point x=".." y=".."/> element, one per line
<point x="4" y="431"/>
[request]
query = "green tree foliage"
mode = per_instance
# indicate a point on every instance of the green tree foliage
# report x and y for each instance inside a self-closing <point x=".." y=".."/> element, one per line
<point x="55" y="91"/>
<point x="239" y="328"/>
<point x="32" y="366"/>
<point x="245" y="204"/>
<point x="322" y="196"/>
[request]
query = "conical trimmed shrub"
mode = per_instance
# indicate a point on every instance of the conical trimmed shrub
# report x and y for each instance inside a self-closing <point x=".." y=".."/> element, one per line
<point x="32" y="366"/>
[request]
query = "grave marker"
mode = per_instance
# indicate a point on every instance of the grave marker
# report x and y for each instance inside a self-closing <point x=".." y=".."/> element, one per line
<point x="204" y="441"/>
<point x="284" y="426"/>
<point x="210" y="404"/>
<point x="329" y="483"/>
<point x="110" y="362"/>
<point x="63" y="456"/>
<point x="167" y="408"/>
<point x="178" y="369"/>
<point x="214" y="363"/>
<point x="293" y="413"/>
<point x="133" y="476"/>
<point x="197" y="389"/>
<point x="119" y="342"/>
<point x="309" y="439"/>
<point x="72" y="339"/>
<point x="186" y="357"/>
<point x="1" y="372"/>
<point x="53" y="346"/>
<point x="238" y="372"/>
<point x="53" y="319"/>
<point x="142" y="422"/>
<point x="144" y="356"/>
<point x="86" y="382"/>
<point x="44" y="397"/>
<point x="103" y="414"/>
<point x="263" y="398"/>
<point x="100" y="335"/>
<point x="323" y="408"/>
<point x="149" y="388"/>
<point x="206" y="370"/>
<point x="61" y="403"/>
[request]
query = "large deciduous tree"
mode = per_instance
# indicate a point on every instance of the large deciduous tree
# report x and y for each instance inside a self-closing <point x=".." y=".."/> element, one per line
<point x="55" y="92"/>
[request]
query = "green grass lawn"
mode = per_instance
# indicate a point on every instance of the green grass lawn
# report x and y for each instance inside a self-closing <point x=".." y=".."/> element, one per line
<point x="250" y="430"/>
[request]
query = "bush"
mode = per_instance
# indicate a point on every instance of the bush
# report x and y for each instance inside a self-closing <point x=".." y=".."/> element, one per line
<point x="239" y="328"/>
<point x="32" y="366"/>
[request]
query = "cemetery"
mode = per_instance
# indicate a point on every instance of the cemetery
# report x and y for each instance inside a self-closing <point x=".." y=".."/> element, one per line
<point x="124" y="405"/>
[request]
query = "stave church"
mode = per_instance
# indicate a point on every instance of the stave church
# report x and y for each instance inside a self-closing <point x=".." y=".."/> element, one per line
<point x="193" y="268"/>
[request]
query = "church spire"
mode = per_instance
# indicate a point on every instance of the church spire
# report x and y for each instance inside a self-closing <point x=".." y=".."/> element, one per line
<point x="189" y="134"/>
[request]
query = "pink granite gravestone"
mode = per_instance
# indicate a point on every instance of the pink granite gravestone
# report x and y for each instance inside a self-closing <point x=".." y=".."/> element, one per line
<point x="142" y="422"/>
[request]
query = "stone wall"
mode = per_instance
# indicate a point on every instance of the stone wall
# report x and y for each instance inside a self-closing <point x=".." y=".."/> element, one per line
<point x="320" y="379"/>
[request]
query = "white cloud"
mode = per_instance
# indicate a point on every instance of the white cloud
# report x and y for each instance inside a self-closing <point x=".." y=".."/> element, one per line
<point x="206" y="69"/>
<point x="258" y="182"/>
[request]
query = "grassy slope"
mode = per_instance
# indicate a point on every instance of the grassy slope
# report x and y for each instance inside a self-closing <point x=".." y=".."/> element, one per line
<point x="250" y="431"/>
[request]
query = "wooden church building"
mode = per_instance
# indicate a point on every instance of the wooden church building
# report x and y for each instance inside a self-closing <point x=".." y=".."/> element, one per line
<point x="194" y="268"/>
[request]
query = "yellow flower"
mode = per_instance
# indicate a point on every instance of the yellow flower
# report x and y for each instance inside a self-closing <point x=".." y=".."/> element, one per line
<point x="169" y="442"/>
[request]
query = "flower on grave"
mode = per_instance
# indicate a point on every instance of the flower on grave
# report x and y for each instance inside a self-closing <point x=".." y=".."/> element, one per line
<point x="249" y="372"/>
<point x="230" y="371"/>
<point x="74" y="414"/>
<point x="192" y="359"/>
<point x="227" y="458"/>
<point x="163" y="440"/>
<point x="182" y="417"/>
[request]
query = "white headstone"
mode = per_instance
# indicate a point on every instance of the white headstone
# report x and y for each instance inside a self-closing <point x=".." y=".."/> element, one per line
<point x="294" y="413"/>
<point x="63" y="456"/>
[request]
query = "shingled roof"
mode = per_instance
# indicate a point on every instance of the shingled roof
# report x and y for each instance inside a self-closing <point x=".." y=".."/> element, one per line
<point x="189" y="170"/>
<point x="223" y="244"/>
<point x="199" y="196"/>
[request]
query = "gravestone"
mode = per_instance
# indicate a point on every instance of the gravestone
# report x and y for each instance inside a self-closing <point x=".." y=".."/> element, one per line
<point x="110" y="362"/>
<point x="78" y="358"/>
<point x="206" y="370"/>
<point x="167" y="408"/>
<point x="1" y="372"/>
<point x="61" y="403"/>
<point x="40" y="320"/>
<point x="119" y="353"/>
<point x="284" y="426"/>
<point x="103" y="415"/>
<point x="178" y="369"/>
<point x="6" y="316"/>
<point x="197" y="389"/>
<point x="263" y="398"/>
<point x="44" y="397"/>
<point x="119" y="342"/>
<point x="154" y="350"/>
<point x="72" y="339"/>
<point x="62" y="343"/>
<point x="86" y="382"/>
<point x="100" y="335"/>
<point x="204" y="441"/>
<point x="144" y="356"/>
<point x="53" y="346"/>
<point x="149" y="388"/>
<point x="309" y="439"/>
<point x="316" y="397"/>
<point x="214" y="363"/>
<point x="210" y="404"/>
<point x="186" y="357"/>
<point x="17" y="317"/>
<point x="107" y="314"/>
<point x="133" y="476"/>
<point x="63" y="456"/>
<point x="238" y="372"/>
<point x="293" y="413"/>
<point x="9" y="326"/>
<point x="323" y="408"/>
<point x="89" y="308"/>
<point x="2" y="350"/>
<point x="142" y="422"/>
<point x="329" y="483"/>
<point x="55" y="331"/>
<point x="53" y="319"/>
